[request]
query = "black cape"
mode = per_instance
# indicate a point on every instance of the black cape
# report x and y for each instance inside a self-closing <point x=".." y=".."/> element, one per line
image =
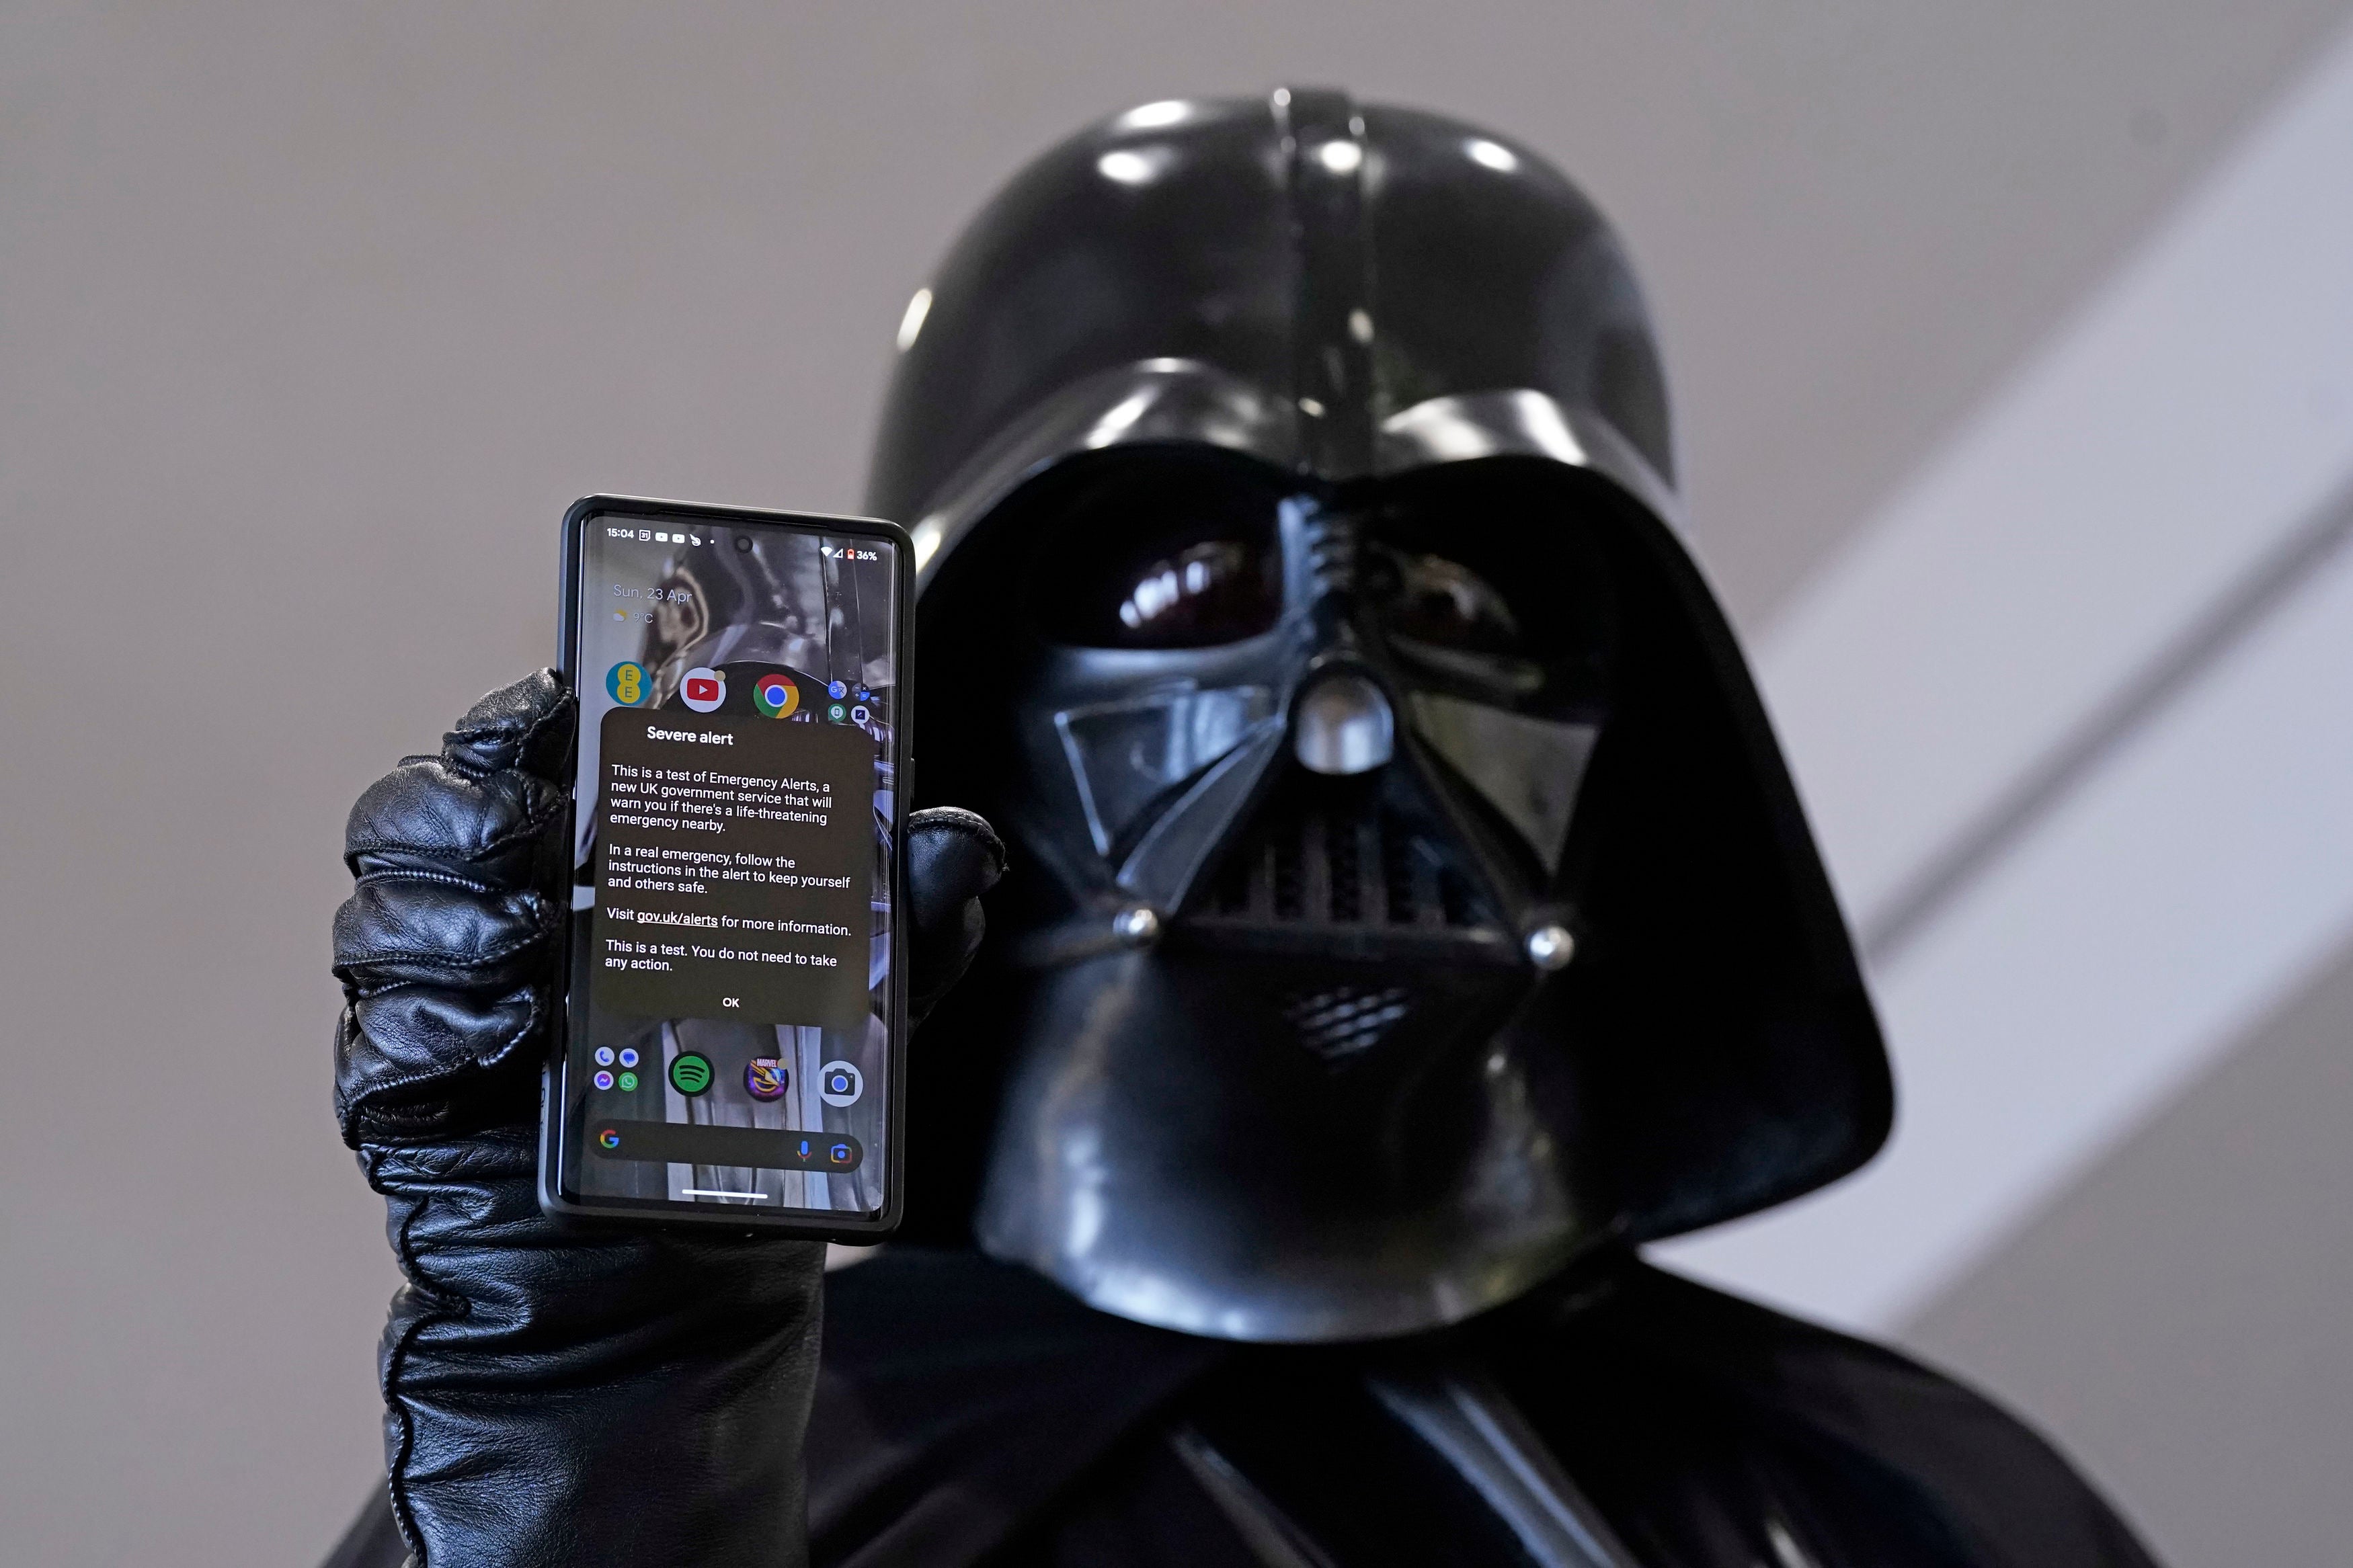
<point x="968" y="1411"/>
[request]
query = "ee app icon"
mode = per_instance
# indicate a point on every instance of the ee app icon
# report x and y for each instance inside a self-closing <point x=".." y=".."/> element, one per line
<point x="627" y="684"/>
<point x="704" y="689"/>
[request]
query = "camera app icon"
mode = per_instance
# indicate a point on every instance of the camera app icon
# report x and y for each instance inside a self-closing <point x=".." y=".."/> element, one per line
<point x="839" y="1083"/>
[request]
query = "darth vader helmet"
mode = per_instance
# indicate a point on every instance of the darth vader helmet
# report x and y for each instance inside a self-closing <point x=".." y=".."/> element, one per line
<point x="1407" y="895"/>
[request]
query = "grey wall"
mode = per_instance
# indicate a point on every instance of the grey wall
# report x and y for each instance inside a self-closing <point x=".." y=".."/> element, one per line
<point x="2179" y="1320"/>
<point x="313" y="320"/>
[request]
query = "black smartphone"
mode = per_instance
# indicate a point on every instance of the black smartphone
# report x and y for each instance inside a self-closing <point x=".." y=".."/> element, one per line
<point x="734" y="1018"/>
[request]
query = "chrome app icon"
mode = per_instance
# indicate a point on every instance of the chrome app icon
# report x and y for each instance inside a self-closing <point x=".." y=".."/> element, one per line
<point x="775" y="696"/>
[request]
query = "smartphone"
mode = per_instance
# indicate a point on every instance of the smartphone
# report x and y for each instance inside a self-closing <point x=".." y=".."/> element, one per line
<point x="734" y="1033"/>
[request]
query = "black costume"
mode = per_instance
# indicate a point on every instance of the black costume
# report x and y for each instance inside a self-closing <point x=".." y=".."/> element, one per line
<point x="1409" y="913"/>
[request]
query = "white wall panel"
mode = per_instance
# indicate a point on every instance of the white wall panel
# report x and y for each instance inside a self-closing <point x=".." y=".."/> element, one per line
<point x="2075" y="723"/>
<point x="2199" y="414"/>
<point x="2200" y="874"/>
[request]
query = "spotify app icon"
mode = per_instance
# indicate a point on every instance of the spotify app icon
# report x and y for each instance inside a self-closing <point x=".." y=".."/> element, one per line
<point x="690" y="1073"/>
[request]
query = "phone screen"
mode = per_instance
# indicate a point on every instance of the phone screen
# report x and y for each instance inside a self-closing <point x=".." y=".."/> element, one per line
<point x="732" y="1000"/>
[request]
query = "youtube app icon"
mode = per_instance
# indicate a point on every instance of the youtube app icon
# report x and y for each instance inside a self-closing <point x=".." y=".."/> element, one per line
<point x="704" y="689"/>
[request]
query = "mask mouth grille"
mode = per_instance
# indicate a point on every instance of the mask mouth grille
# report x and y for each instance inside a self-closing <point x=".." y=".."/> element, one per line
<point x="1338" y="1023"/>
<point x="1347" y="862"/>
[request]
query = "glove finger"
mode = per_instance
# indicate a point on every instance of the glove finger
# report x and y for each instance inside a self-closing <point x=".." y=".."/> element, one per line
<point x="415" y="1061"/>
<point x="427" y="815"/>
<point x="398" y="930"/>
<point x="527" y="725"/>
<point x="953" y="857"/>
<point x="447" y="947"/>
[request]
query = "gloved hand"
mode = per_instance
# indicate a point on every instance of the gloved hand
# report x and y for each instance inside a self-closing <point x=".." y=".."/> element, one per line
<point x="552" y="1395"/>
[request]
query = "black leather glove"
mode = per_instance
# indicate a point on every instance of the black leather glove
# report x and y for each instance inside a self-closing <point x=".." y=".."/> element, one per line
<point x="553" y="1394"/>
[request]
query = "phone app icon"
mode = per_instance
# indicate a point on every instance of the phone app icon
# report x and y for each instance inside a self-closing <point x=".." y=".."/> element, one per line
<point x="775" y="696"/>
<point x="604" y="1056"/>
<point x="839" y="1083"/>
<point x="627" y="684"/>
<point x="704" y="689"/>
<point x="764" y="1077"/>
<point x="690" y="1073"/>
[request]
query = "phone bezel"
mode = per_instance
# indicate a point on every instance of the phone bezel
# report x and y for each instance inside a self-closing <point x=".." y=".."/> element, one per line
<point x="554" y="1091"/>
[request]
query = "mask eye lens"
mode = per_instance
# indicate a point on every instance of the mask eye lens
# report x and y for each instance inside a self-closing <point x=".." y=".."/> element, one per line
<point x="1434" y="600"/>
<point x="1160" y="550"/>
<point x="1208" y="593"/>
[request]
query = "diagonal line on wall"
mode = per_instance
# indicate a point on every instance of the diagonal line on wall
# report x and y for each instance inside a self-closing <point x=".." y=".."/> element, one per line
<point x="2011" y="814"/>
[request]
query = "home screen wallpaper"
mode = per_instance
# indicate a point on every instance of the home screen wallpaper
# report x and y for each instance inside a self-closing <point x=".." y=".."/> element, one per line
<point x="731" y="850"/>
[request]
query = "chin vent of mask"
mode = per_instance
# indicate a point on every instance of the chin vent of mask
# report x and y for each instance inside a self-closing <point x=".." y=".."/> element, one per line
<point x="1342" y="1021"/>
<point x="1343" y="863"/>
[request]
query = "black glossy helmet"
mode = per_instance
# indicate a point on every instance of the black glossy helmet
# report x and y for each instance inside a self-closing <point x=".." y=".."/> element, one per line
<point x="1408" y="893"/>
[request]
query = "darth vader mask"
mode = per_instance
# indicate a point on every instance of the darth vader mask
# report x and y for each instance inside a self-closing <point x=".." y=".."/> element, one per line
<point x="1407" y="892"/>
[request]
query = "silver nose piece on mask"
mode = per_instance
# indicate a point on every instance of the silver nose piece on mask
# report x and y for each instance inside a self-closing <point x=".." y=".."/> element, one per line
<point x="1343" y="726"/>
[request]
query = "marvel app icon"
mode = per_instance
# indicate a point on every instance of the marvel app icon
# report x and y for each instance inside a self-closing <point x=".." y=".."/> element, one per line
<point x="704" y="689"/>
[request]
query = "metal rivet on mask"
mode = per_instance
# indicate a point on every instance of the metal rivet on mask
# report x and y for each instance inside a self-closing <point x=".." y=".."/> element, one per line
<point x="1551" y="947"/>
<point x="1138" y="925"/>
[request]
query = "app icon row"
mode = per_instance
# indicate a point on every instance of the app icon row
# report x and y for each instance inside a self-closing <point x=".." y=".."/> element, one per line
<point x="839" y="1083"/>
<point x="704" y="689"/>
